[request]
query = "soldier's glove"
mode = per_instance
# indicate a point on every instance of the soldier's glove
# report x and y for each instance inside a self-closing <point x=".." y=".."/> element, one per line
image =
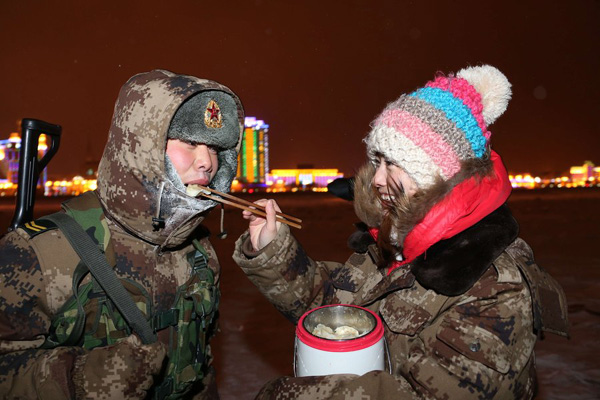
<point x="122" y="371"/>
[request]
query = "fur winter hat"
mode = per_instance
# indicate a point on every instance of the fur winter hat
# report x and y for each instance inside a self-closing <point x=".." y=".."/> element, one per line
<point x="209" y="118"/>
<point x="432" y="131"/>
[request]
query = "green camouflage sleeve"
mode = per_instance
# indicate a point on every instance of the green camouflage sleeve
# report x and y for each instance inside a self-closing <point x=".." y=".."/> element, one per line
<point x="27" y="371"/>
<point x="124" y="370"/>
<point x="285" y="275"/>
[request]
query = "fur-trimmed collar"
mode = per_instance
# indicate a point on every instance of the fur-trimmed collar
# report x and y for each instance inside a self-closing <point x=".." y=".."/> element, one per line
<point x="450" y="267"/>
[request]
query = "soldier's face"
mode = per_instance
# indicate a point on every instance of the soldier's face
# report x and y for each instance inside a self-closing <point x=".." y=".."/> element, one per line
<point x="391" y="180"/>
<point x="195" y="163"/>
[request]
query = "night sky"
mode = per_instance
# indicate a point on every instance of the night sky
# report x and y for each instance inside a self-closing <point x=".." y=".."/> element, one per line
<point x="318" y="72"/>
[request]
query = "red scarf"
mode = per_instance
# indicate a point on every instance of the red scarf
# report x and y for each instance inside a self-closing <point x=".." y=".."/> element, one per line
<point x="468" y="203"/>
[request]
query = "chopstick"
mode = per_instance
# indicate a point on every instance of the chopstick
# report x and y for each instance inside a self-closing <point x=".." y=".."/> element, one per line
<point x="248" y="206"/>
<point x="242" y="201"/>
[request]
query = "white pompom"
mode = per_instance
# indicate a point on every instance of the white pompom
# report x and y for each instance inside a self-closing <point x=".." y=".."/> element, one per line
<point x="493" y="87"/>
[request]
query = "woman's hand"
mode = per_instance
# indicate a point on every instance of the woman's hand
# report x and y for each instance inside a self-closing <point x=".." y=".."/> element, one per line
<point x="263" y="231"/>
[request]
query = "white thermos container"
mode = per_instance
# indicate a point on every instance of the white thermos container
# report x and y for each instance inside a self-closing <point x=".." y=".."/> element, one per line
<point x="316" y="355"/>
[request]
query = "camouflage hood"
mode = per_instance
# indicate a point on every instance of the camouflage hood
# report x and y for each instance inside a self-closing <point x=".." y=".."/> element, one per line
<point x="132" y="182"/>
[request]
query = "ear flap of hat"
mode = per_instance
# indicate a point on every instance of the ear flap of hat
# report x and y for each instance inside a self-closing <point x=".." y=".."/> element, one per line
<point x="493" y="87"/>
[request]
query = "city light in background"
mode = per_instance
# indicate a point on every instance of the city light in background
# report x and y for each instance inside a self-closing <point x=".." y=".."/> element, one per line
<point x="253" y="172"/>
<point x="315" y="72"/>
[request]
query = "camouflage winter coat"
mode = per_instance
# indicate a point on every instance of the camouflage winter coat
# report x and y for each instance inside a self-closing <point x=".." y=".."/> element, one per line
<point x="149" y="225"/>
<point x="475" y="344"/>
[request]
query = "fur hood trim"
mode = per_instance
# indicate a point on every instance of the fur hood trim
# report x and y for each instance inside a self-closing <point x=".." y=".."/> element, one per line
<point x="133" y="183"/>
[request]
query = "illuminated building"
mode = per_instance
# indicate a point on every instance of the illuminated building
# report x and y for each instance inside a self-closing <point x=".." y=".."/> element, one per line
<point x="290" y="179"/>
<point x="525" y="181"/>
<point x="585" y="174"/>
<point x="9" y="162"/>
<point x="9" y="171"/>
<point x="74" y="187"/>
<point x="253" y="160"/>
<point x="253" y="166"/>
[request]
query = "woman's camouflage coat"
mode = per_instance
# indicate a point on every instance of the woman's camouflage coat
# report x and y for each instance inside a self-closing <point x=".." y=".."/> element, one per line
<point x="474" y="345"/>
<point x="37" y="265"/>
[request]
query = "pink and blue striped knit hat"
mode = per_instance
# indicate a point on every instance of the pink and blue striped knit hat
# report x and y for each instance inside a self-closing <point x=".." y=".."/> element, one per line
<point x="431" y="131"/>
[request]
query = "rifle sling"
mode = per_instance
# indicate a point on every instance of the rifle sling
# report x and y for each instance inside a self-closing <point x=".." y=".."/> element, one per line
<point x="95" y="260"/>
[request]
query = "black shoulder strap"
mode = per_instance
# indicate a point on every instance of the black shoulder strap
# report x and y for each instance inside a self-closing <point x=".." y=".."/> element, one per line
<point x="91" y="255"/>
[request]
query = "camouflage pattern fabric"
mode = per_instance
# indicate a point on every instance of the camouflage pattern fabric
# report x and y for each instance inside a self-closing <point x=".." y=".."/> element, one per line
<point x="37" y="265"/>
<point x="196" y="304"/>
<point x="373" y="385"/>
<point x="473" y="346"/>
<point x="132" y="168"/>
<point x="124" y="370"/>
<point x="103" y="324"/>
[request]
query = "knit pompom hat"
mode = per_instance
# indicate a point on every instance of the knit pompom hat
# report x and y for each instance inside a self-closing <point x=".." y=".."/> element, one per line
<point x="431" y="131"/>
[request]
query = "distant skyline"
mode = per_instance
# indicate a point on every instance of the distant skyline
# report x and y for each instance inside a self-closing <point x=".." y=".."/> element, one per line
<point x="317" y="72"/>
<point x="90" y="163"/>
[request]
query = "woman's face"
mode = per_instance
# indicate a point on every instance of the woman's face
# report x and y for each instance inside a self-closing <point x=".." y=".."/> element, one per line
<point x="391" y="180"/>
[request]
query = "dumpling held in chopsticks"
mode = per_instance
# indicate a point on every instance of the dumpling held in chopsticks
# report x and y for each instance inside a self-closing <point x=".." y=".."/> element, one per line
<point x="195" y="190"/>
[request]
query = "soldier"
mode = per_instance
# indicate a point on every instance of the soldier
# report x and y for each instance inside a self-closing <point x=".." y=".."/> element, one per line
<point x="62" y="334"/>
<point x="461" y="297"/>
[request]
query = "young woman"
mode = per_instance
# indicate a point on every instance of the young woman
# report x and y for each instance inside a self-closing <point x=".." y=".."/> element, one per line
<point x="441" y="261"/>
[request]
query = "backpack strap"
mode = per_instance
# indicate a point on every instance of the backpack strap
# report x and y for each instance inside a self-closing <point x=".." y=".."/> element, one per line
<point x="96" y="262"/>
